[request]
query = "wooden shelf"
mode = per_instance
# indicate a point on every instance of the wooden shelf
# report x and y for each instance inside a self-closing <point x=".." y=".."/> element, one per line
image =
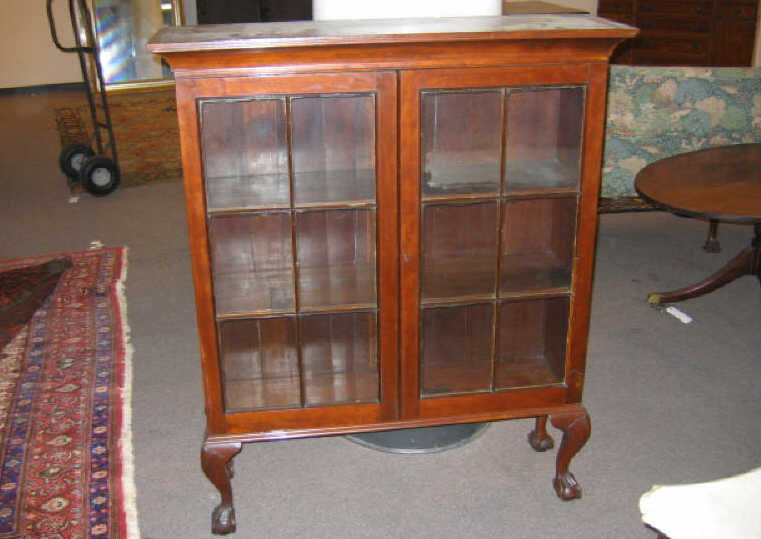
<point x="526" y="372"/>
<point x="461" y="352"/>
<point x="335" y="187"/>
<point x="314" y="190"/>
<point x="309" y="360"/>
<point x="536" y="271"/>
<point x="322" y="289"/>
<point x="247" y="192"/>
<point x="541" y="175"/>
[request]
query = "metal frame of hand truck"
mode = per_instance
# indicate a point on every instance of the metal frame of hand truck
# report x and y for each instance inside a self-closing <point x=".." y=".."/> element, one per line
<point x="98" y="172"/>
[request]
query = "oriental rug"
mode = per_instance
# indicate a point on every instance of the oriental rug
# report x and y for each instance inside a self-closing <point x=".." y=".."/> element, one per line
<point x="65" y="438"/>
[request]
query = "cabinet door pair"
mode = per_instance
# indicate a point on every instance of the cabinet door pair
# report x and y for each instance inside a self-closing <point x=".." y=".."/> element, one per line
<point x="394" y="251"/>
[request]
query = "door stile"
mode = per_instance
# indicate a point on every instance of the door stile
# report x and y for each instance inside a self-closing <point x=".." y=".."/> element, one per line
<point x="388" y="241"/>
<point x="409" y="178"/>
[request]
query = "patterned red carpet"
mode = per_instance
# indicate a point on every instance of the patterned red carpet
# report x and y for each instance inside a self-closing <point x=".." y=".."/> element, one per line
<point x="65" y="441"/>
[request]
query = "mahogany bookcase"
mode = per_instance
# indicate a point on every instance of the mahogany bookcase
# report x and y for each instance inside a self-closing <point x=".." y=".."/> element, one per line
<point x="392" y="224"/>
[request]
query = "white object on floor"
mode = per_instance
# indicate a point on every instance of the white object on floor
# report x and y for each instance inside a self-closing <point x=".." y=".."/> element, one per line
<point x="728" y="508"/>
<point x="683" y="317"/>
<point x="397" y="9"/>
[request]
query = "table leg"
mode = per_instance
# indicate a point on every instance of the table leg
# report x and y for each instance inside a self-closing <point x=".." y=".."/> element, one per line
<point x="712" y="244"/>
<point x="747" y="262"/>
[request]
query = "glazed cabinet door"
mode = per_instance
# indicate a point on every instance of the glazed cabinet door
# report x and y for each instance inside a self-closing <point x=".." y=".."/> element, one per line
<point x="295" y="254"/>
<point x="492" y="186"/>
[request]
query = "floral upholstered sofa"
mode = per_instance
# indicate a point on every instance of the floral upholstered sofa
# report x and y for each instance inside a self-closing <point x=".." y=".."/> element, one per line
<point x="656" y="112"/>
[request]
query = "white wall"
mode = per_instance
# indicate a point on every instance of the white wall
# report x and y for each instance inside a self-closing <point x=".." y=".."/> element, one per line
<point x="27" y="54"/>
<point x="190" y="11"/>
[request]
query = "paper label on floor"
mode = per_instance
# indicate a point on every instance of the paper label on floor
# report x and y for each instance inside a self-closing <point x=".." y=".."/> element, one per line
<point x="679" y="315"/>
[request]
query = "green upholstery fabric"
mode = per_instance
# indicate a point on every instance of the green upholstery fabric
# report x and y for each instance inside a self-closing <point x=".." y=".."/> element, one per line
<point x="656" y="112"/>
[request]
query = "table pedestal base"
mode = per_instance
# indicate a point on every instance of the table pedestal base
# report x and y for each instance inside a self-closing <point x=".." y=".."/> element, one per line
<point x="748" y="262"/>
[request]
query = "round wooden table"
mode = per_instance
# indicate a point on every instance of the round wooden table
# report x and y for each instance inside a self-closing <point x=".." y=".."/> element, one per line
<point x="717" y="184"/>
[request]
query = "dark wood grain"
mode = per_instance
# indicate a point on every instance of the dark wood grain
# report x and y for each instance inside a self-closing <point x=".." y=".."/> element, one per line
<point x="717" y="184"/>
<point x="515" y="8"/>
<point x="698" y="32"/>
<point x="723" y="184"/>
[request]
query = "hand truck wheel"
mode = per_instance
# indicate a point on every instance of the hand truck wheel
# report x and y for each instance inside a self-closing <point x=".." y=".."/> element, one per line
<point x="99" y="175"/>
<point x="72" y="159"/>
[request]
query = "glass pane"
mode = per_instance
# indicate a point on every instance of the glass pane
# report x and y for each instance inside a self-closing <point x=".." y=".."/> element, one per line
<point x="457" y="353"/>
<point x="537" y="244"/>
<point x="251" y="262"/>
<point x="461" y="139"/>
<point x="260" y="366"/>
<point x="333" y="149"/>
<point x="340" y="358"/>
<point x="459" y="251"/>
<point x="245" y="153"/>
<point x="531" y="343"/>
<point x="336" y="257"/>
<point x="544" y="131"/>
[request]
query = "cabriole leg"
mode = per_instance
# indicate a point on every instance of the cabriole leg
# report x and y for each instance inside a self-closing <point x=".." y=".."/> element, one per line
<point x="539" y="438"/>
<point x="216" y="461"/>
<point x="576" y="428"/>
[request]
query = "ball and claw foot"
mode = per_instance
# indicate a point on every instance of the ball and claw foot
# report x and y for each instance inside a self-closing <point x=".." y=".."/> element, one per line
<point x="576" y="429"/>
<point x="566" y="487"/>
<point x="223" y="520"/>
<point x="540" y="441"/>
<point x="216" y="461"/>
<point x="538" y="438"/>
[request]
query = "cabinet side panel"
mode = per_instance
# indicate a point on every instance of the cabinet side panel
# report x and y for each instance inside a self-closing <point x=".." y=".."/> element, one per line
<point x="199" y="248"/>
<point x="587" y="229"/>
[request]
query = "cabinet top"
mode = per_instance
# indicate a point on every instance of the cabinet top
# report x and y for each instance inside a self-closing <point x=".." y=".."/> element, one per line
<point x="218" y="37"/>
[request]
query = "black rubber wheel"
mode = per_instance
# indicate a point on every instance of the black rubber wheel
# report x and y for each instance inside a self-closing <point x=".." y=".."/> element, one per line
<point x="73" y="157"/>
<point x="99" y="175"/>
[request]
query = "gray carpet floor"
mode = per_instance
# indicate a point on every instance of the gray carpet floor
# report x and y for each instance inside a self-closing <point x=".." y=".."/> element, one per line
<point x="669" y="402"/>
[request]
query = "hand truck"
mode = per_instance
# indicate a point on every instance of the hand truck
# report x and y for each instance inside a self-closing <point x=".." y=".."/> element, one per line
<point x="98" y="172"/>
